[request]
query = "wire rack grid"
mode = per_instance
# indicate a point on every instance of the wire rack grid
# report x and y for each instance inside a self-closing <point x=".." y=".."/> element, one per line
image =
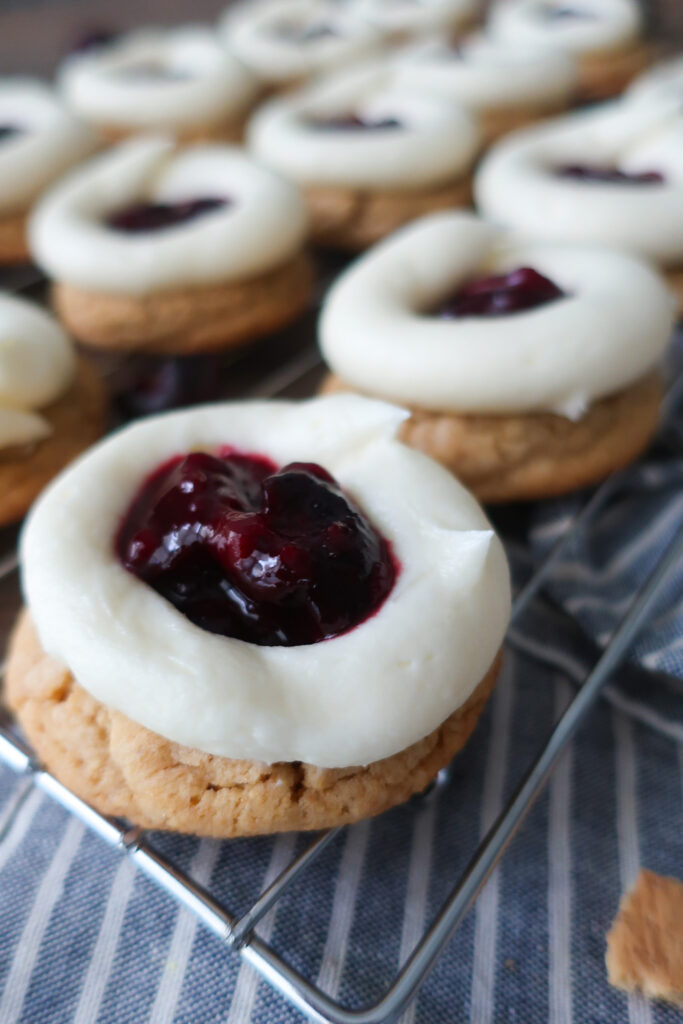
<point x="239" y="934"/>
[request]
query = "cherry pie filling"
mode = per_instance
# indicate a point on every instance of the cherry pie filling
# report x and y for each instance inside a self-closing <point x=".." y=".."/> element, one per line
<point x="275" y="557"/>
<point x="518" y="290"/>
<point x="609" y="175"/>
<point x="143" y="217"/>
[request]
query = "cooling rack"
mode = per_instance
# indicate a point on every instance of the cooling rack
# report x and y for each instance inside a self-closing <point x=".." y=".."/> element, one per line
<point x="290" y="367"/>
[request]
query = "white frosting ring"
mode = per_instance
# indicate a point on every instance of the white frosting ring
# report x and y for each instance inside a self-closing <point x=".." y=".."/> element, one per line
<point x="606" y="24"/>
<point x="415" y="16"/>
<point x="251" y="30"/>
<point x="516" y="184"/>
<point x="51" y="140"/>
<point x="211" y="83"/>
<point x="351" y="700"/>
<point x="612" y="327"/>
<point x="37" y="365"/>
<point x="487" y="74"/>
<point x="663" y="82"/>
<point x="437" y="140"/>
<point x="264" y="225"/>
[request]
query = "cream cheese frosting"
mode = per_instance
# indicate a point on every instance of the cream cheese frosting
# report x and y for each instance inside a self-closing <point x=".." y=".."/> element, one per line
<point x="664" y="81"/>
<point x="48" y="140"/>
<point x="611" y="327"/>
<point x="517" y="183"/>
<point x="580" y="26"/>
<point x="356" y="698"/>
<point x="398" y="17"/>
<point x="285" y="40"/>
<point x="484" y="73"/>
<point x="167" y="80"/>
<point x="263" y="224"/>
<point x="437" y="139"/>
<point x="37" y="365"/>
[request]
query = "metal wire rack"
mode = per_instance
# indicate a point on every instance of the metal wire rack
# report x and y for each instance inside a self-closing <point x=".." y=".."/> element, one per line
<point x="240" y="933"/>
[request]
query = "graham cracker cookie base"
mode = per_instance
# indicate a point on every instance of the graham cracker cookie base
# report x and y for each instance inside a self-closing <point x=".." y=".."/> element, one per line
<point x="535" y="455"/>
<point x="498" y="121"/>
<point x="77" y="419"/>
<point x="187" y="320"/>
<point x="607" y="73"/>
<point x="123" y="769"/>
<point x="645" y="943"/>
<point x="353" y="219"/>
<point x="229" y="129"/>
<point x="674" y="279"/>
<point x="13" y="241"/>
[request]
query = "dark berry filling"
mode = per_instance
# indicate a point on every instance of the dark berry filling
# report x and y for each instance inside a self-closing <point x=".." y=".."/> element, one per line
<point x="352" y="123"/>
<point x="294" y="33"/>
<point x="8" y="131"/>
<point x="609" y="175"/>
<point x="519" y="290"/>
<point x="139" y="217"/>
<point x="94" y="39"/>
<point x="276" y="557"/>
<point x="553" y="12"/>
<point x="152" y="71"/>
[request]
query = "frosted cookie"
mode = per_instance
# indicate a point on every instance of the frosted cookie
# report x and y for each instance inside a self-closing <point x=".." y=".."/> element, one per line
<point x="369" y="156"/>
<point x="605" y="36"/>
<point x="312" y="652"/>
<point x="52" y="405"/>
<point x="287" y="42"/>
<point x="180" y="80"/>
<point x="529" y="368"/>
<point x="39" y="140"/>
<point x="612" y="175"/>
<point x="401" y="19"/>
<point x="505" y="86"/>
<point x="172" y="251"/>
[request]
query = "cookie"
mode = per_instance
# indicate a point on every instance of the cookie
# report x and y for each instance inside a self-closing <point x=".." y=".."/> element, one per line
<point x="203" y="250"/>
<point x="506" y="86"/>
<point x="537" y="455"/>
<point x="77" y="419"/>
<point x="368" y="153"/>
<point x="603" y="175"/>
<point x="180" y="81"/>
<point x="39" y="140"/>
<point x="645" y="943"/>
<point x="606" y="74"/>
<point x="185" y="321"/>
<point x="123" y="769"/>
<point x="353" y="220"/>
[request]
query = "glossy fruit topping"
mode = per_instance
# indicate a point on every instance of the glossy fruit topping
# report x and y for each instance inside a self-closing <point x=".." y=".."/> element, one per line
<point x="8" y="131"/>
<point x="559" y="12"/>
<point x="92" y="39"/>
<point x="519" y="290"/>
<point x="352" y="123"/>
<point x="293" y="32"/>
<point x="142" y="217"/>
<point x="609" y="175"/>
<point x="275" y="557"/>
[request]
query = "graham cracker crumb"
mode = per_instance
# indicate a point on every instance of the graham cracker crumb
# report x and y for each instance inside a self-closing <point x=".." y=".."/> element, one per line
<point x="645" y="943"/>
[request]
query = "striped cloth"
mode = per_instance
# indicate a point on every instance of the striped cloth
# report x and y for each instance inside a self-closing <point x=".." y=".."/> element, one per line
<point x="84" y="938"/>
